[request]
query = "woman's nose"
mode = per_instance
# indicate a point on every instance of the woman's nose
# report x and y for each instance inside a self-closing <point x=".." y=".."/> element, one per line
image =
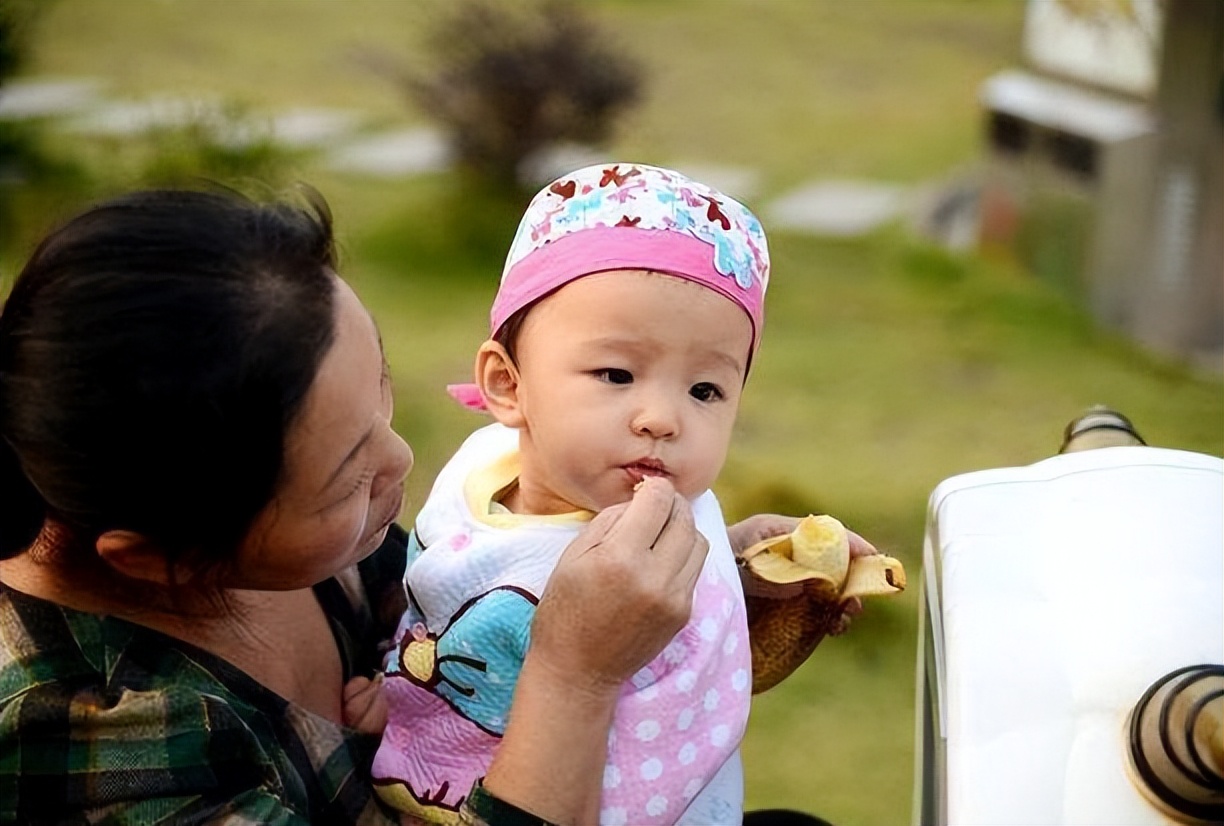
<point x="397" y="462"/>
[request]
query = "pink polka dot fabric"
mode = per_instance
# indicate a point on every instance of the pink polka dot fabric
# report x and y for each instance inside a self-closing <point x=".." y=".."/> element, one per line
<point x="681" y="716"/>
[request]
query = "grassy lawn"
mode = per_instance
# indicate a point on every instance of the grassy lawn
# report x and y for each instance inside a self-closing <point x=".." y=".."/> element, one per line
<point x="886" y="366"/>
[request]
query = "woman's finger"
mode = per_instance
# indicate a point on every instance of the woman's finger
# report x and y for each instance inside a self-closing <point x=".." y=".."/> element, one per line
<point x="674" y="547"/>
<point x="598" y="528"/>
<point x="641" y="522"/>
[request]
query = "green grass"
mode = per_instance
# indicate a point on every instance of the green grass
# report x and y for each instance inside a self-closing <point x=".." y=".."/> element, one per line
<point x="886" y="365"/>
<point x="865" y="87"/>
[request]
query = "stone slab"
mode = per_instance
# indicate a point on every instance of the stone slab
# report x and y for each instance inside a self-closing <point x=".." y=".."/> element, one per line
<point x="837" y="207"/>
<point x="46" y="97"/>
<point x="126" y="118"/>
<point x="395" y="154"/>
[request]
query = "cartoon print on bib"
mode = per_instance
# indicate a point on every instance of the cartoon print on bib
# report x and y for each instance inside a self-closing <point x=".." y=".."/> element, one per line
<point x="450" y="694"/>
<point x="461" y="644"/>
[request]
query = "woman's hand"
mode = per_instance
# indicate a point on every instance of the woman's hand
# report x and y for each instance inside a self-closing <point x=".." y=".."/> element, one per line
<point x="743" y="535"/>
<point x="620" y="592"/>
<point x="622" y="589"/>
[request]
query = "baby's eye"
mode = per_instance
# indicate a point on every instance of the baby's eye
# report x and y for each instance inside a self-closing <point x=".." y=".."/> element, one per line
<point x="704" y="391"/>
<point x="614" y="375"/>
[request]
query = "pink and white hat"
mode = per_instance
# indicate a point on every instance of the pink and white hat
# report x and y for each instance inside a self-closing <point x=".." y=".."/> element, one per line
<point x="631" y="216"/>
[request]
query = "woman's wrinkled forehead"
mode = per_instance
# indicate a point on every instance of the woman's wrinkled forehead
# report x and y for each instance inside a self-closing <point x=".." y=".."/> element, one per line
<point x="635" y="217"/>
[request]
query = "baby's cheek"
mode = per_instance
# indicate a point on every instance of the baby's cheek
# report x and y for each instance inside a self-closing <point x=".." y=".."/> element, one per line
<point x="698" y="480"/>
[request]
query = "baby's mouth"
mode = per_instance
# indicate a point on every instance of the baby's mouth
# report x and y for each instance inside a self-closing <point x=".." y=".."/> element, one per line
<point x="644" y="468"/>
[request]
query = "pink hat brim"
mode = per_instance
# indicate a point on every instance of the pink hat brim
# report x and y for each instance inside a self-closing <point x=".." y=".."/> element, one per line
<point x="600" y="249"/>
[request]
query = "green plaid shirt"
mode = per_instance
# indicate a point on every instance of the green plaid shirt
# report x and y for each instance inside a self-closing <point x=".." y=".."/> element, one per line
<point x="103" y="721"/>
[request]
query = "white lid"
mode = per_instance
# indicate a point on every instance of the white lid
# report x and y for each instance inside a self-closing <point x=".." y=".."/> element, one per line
<point x="1059" y="592"/>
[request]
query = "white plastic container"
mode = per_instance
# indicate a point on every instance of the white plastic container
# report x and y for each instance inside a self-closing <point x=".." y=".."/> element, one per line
<point x="1055" y="594"/>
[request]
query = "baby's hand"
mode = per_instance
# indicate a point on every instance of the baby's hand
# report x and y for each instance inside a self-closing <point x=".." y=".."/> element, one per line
<point x="754" y="529"/>
<point x="365" y="707"/>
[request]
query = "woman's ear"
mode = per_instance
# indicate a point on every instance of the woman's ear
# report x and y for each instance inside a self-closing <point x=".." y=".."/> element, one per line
<point x="134" y="556"/>
<point x="498" y="379"/>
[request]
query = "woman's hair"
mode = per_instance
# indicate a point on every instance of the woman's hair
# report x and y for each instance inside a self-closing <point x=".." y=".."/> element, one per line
<point x="153" y="353"/>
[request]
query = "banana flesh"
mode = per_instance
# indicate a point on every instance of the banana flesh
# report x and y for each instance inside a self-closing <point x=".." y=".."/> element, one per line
<point x="784" y="632"/>
<point x="818" y="551"/>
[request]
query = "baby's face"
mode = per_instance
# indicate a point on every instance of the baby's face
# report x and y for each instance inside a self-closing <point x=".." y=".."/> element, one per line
<point x="624" y="375"/>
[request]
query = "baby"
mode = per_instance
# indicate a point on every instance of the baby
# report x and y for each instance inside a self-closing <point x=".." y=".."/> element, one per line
<point x="629" y="310"/>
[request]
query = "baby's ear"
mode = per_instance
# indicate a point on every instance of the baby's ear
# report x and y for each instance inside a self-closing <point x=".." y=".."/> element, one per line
<point x="498" y="379"/>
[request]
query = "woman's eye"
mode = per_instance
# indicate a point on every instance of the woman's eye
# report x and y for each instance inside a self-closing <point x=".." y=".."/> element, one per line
<point x="614" y="375"/>
<point x="363" y="480"/>
<point x="705" y="392"/>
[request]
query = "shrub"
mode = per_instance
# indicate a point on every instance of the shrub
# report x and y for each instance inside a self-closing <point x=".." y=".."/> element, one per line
<point x="508" y="80"/>
<point x="225" y="146"/>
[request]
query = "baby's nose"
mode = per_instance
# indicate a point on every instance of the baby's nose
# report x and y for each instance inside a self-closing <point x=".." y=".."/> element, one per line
<point x="659" y="420"/>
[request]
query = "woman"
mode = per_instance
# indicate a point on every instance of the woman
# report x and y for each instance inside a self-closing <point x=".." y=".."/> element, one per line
<point x="197" y="551"/>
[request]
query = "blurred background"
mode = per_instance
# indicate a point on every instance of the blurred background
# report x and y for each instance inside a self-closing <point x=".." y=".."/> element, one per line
<point x="985" y="217"/>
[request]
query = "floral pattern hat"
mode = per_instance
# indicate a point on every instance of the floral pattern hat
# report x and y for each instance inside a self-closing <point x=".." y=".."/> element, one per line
<point x="631" y="216"/>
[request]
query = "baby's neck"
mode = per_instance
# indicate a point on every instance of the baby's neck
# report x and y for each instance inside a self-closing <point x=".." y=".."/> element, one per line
<point x="511" y="498"/>
<point x="523" y="499"/>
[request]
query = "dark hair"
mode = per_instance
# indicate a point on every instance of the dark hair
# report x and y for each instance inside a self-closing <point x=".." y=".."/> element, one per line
<point x="153" y="353"/>
<point x="507" y="334"/>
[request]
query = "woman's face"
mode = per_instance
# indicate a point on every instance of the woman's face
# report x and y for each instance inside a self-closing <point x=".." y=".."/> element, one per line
<point x="342" y="484"/>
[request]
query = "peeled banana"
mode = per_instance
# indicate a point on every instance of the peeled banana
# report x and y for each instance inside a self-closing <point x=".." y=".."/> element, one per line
<point x="783" y="632"/>
<point x="819" y="550"/>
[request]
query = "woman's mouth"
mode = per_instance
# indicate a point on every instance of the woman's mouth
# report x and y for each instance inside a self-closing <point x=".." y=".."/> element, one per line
<point x="389" y="516"/>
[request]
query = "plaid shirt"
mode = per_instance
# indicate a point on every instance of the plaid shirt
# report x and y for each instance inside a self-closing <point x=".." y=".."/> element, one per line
<point x="104" y="721"/>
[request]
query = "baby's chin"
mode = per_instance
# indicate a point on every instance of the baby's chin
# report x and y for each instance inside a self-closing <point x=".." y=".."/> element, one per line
<point x="621" y="498"/>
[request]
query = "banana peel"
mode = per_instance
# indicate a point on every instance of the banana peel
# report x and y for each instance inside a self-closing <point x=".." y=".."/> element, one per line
<point x="783" y="632"/>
